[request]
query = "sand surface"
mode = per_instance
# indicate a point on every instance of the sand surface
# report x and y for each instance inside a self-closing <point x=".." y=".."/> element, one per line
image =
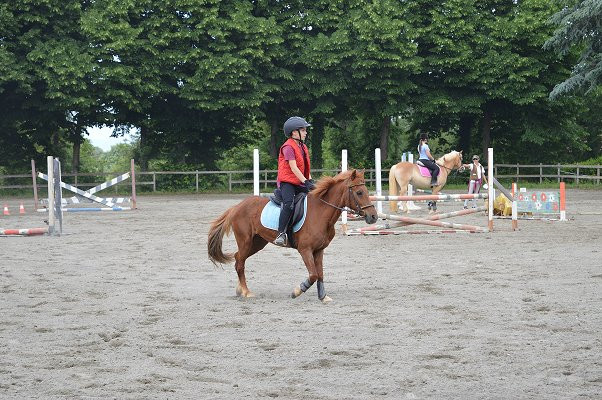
<point x="127" y="306"/>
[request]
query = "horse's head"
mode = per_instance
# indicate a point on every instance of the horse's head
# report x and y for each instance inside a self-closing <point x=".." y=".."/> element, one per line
<point x="359" y="198"/>
<point x="452" y="160"/>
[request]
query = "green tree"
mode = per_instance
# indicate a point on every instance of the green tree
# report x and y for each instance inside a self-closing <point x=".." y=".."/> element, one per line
<point x="46" y="91"/>
<point x="579" y="26"/>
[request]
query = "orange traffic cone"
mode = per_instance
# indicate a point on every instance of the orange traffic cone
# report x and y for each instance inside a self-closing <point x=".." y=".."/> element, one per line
<point x="6" y="210"/>
<point x="21" y="209"/>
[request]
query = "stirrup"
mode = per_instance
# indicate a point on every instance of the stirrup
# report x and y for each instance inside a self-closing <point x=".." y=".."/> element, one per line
<point x="281" y="240"/>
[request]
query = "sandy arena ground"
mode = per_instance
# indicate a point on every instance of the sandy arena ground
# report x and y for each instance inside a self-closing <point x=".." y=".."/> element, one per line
<point x="127" y="306"/>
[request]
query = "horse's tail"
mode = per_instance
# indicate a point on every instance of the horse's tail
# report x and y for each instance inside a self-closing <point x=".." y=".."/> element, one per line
<point x="393" y="188"/>
<point x="220" y="227"/>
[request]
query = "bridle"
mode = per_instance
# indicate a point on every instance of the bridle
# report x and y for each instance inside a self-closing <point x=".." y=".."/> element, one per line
<point x="360" y="209"/>
<point x="453" y="168"/>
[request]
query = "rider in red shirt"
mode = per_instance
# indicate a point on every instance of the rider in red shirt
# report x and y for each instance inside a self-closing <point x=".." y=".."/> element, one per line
<point x="294" y="174"/>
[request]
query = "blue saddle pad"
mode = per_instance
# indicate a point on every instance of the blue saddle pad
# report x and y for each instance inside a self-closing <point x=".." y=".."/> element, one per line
<point x="271" y="213"/>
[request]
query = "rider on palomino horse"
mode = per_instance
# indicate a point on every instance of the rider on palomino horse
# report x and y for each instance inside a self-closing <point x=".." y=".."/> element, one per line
<point x="425" y="157"/>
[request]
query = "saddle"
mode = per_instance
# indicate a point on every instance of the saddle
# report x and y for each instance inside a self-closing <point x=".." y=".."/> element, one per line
<point x="298" y="213"/>
<point x="424" y="171"/>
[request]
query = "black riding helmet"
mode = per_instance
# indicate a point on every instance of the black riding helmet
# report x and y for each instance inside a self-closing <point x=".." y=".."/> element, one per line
<point x="294" y="123"/>
<point x="424" y="136"/>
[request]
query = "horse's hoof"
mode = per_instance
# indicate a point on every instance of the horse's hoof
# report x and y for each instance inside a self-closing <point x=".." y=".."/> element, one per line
<point x="326" y="300"/>
<point x="249" y="295"/>
<point x="296" y="292"/>
<point x="238" y="291"/>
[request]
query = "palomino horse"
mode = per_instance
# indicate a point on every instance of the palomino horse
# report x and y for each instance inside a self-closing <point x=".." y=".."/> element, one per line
<point x="405" y="173"/>
<point x="331" y="196"/>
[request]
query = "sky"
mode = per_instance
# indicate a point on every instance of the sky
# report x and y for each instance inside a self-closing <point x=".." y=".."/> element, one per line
<point x="101" y="137"/>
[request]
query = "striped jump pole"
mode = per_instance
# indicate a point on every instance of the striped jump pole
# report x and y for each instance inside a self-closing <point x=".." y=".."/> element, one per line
<point x="343" y="169"/>
<point x="379" y="204"/>
<point x="441" y="224"/>
<point x="405" y="232"/>
<point x="430" y="218"/>
<point x="83" y="209"/>
<point x="490" y="192"/>
<point x="24" y="232"/>
<point x="436" y="197"/>
<point x="562" y="201"/>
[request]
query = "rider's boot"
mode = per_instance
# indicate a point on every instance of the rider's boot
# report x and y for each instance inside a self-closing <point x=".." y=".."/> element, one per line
<point x="281" y="239"/>
<point x="285" y="214"/>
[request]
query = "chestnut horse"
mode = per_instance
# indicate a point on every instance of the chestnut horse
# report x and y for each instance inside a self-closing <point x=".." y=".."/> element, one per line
<point x="331" y="196"/>
<point x="405" y="173"/>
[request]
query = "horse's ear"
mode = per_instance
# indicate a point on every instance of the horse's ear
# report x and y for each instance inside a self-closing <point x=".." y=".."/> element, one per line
<point x="353" y="174"/>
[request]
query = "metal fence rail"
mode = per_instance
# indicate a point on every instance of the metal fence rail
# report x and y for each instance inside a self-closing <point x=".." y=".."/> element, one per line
<point x="158" y="180"/>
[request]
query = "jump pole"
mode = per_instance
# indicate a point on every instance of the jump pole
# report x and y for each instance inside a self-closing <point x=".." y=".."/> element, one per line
<point x="379" y="189"/>
<point x="386" y="232"/>
<point x="54" y="201"/>
<point x="51" y="218"/>
<point x="35" y="185"/>
<point x="562" y="202"/>
<point x="490" y="191"/>
<point x="133" y="176"/>
<point x="343" y="169"/>
<point x="421" y="221"/>
<point x="255" y="172"/>
<point x="436" y="197"/>
<point x="433" y="217"/>
<point x="410" y="204"/>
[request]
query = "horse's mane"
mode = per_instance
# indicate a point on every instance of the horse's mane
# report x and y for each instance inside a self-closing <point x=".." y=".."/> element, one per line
<point x="326" y="182"/>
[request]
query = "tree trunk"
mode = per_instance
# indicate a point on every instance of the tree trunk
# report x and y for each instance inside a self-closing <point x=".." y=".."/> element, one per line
<point x="316" y="138"/>
<point x="384" y="137"/>
<point x="465" y="130"/>
<point x="274" y="136"/>
<point x="143" y="148"/>
<point x="77" y="140"/>
<point x="486" y="130"/>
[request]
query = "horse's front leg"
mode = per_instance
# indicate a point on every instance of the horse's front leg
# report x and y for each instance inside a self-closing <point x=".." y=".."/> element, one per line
<point x="318" y="258"/>
<point x="433" y="206"/>
<point x="310" y="264"/>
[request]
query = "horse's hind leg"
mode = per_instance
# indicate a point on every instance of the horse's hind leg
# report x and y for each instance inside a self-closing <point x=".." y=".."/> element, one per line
<point x="403" y="190"/>
<point x="246" y="250"/>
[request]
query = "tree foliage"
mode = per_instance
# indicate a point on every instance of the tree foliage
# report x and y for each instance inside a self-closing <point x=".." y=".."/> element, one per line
<point x="579" y="26"/>
<point x="205" y="80"/>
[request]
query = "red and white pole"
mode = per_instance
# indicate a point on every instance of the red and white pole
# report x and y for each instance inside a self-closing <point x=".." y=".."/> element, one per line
<point x="343" y="169"/>
<point x="490" y="193"/>
<point x="562" y="202"/>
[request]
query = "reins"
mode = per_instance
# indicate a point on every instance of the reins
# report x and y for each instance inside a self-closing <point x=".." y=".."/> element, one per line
<point x="450" y="170"/>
